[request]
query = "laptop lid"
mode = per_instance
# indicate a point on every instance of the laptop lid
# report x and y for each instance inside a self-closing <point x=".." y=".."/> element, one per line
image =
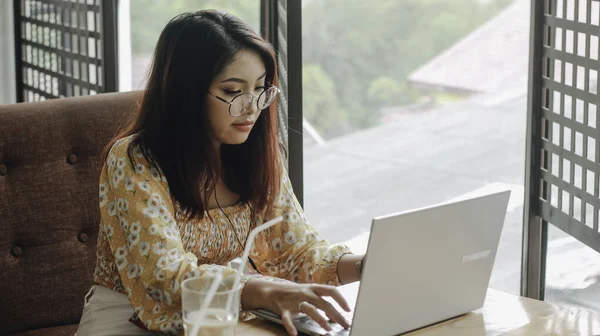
<point x="428" y="265"/>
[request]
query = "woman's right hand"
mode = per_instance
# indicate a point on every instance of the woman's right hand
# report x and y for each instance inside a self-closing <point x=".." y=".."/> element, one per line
<point x="288" y="299"/>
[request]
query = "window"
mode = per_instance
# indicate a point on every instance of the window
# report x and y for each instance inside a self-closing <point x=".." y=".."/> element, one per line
<point x="410" y="103"/>
<point x="148" y="18"/>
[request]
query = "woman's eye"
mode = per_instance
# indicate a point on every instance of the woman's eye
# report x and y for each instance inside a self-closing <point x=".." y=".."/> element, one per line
<point x="230" y="92"/>
<point x="260" y="89"/>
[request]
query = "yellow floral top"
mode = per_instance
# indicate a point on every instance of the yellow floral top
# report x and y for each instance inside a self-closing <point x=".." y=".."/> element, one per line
<point x="145" y="252"/>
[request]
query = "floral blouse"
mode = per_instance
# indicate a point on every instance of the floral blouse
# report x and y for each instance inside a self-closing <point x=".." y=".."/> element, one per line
<point x="145" y="252"/>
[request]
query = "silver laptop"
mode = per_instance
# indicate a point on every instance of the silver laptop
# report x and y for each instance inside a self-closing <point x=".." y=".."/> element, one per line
<point x="424" y="266"/>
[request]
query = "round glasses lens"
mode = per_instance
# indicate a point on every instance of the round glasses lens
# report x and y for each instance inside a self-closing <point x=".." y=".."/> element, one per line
<point x="267" y="97"/>
<point x="241" y="104"/>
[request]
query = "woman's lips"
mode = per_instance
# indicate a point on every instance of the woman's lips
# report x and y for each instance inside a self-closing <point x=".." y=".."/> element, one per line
<point x="245" y="126"/>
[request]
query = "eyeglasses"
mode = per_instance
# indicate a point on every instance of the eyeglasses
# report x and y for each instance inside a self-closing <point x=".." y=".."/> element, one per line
<point x="241" y="103"/>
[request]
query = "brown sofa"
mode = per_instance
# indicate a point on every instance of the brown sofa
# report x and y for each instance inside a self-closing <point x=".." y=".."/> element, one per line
<point x="50" y="162"/>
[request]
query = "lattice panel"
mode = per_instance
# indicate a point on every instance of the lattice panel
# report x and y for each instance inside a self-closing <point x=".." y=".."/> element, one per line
<point x="61" y="48"/>
<point x="570" y="130"/>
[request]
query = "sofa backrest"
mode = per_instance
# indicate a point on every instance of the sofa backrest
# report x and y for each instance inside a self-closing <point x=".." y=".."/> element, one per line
<point x="50" y="162"/>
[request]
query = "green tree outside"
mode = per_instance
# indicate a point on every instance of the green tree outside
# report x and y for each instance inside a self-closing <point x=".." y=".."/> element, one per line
<point x="357" y="54"/>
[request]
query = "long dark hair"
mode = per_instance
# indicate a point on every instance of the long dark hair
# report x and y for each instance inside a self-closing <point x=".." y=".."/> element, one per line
<point x="171" y="127"/>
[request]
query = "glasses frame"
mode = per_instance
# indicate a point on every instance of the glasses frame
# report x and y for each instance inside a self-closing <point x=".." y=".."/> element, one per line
<point x="254" y="99"/>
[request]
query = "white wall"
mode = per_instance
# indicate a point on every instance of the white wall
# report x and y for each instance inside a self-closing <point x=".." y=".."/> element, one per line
<point x="7" y="54"/>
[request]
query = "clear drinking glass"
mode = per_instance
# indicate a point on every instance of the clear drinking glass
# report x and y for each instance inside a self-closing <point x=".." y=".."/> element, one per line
<point x="218" y="319"/>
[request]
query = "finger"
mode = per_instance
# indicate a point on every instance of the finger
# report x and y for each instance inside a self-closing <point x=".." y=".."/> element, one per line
<point x="331" y="312"/>
<point x="313" y="313"/>
<point x="286" y="319"/>
<point x="334" y="293"/>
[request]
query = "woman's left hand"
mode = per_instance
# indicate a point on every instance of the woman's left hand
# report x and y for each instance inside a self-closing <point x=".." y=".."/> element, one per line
<point x="288" y="299"/>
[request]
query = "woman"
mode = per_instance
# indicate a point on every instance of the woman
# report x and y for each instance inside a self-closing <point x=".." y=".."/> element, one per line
<point x="196" y="169"/>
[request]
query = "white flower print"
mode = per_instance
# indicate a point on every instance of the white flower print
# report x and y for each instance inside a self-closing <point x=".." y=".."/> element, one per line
<point x="153" y="204"/>
<point x="150" y="212"/>
<point x="123" y="204"/>
<point x="133" y="271"/>
<point x="144" y="248"/>
<point x="171" y="233"/>
<point x="139" y="168"/>
<point x="155" y="294"/>
<point x="109" y="231"/>
<point x="166" y="328"/>
<point x="288" y="201"/>
<point x="273" y="270"/>
<point x="162" y="262"/>
<point x="156" y="200"/>
<point x="102" y="200"/>
<point x="166" y="217"/>
<point x="276" y="244"/>
<point x="160" y="276"/>
<point x="133" y="239"/>
<point x="121" y="263"/>
<point x="290" y="238"/>
<point x="112" y="209"/>
<point x="155" y="174"/>
<point x="121" y="252"/>
<point x="161" y="319"/>
<point x="160" y="248"/>
<point x="129" y="184"/>
<point x="302" y="241"/>
<point x="102" y="190"/>
<point x="121" y="163"/>
<point x="176" y="315"/>
<point x="145" y="186"/>
<point x="156" y="309"/>
<point x="174" y="253"/>
<point x="135" y="227"/>
<point x="124" y="224"/>
<point x="117" y="177"/>
<point x="168" y="298"/>
<point x="153" y="229"/>
<point x="112" y="161"/>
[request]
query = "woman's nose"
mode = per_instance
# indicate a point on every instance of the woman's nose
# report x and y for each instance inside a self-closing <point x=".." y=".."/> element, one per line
<point x="253" y="107"/>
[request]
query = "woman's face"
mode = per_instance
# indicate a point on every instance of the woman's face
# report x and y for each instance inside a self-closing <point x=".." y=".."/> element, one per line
<point x="246" y="74"/>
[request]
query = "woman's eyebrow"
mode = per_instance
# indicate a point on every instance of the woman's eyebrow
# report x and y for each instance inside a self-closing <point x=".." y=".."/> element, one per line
<point x="240" y="80"/>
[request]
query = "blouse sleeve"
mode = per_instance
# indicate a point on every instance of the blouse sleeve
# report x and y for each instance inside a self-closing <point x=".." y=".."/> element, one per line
<point x="292" y="249"/>
<point x="137" y="216"/>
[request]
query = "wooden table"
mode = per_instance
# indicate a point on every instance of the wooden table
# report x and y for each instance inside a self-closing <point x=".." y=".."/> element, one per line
<point x="503" y="314"/>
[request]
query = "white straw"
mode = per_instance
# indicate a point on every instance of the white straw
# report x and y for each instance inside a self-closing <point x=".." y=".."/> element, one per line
<point x="249" y="243"/>
<point x="207" y="300"/>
